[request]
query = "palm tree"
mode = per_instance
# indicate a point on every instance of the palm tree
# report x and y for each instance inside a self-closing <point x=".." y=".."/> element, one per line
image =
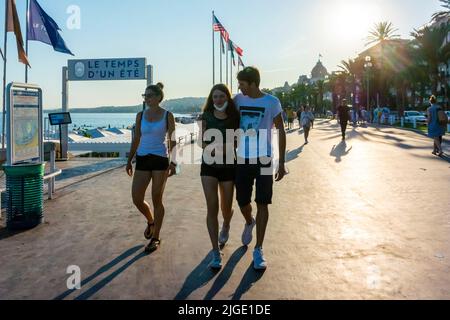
<point x="441" y="14"/>
<point x="429" y="43"/>
<point x="381" y="32"/>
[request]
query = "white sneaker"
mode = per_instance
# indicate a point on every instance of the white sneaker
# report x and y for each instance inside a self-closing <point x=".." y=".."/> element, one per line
<point x="259" y="263"/>
<point x="216" y="262"/>
<point x="247" y="235"/>
<point x="224" y="235"/>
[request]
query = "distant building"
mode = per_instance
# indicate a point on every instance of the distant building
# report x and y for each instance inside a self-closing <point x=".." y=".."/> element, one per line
<point x="319" y="72"/>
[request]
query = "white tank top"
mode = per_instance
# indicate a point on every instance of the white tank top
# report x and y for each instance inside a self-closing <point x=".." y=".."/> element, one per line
<point x="153" y="137"/>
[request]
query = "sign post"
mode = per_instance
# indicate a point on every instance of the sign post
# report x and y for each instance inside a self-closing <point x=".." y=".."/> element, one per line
<point x="60" y="119"/>
<point x="100" y="70"/>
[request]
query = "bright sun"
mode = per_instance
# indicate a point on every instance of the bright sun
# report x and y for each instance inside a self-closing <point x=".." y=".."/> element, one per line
<point x="352" y="20"/>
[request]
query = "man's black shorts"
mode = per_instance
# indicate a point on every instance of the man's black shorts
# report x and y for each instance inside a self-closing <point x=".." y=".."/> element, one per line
<point x="221" y="173"/>
<point x="152" y="163"/>
<point x="246" y="176"/>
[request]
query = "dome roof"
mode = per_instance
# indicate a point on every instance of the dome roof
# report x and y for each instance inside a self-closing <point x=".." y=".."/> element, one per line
<point x="319" y="71"/>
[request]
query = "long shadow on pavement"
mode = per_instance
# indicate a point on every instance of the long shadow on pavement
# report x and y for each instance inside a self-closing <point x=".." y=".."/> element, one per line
<point x="102" y="270"/>
<point x="98" y="286"/>
<point x="340" y="151"/>
<point x="251" y="276"/>
<point x="291" y="155"/>
<point x="225" y="275"/>
<point x="198" y="278"/>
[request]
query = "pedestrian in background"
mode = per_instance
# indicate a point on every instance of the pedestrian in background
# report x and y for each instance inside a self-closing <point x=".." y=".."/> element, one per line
<point x="436" y="128"/>
<point x="307" y="120"/>
<point x="343" y="116"/>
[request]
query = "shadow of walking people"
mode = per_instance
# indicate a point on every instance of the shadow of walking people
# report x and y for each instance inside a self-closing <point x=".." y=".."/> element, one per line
<point x="340" y="151"/>
<point x="198" y="278"/>
<point x="225" y="275"/>
<point x="102" y="270"/>
<point x="251" y="276"/>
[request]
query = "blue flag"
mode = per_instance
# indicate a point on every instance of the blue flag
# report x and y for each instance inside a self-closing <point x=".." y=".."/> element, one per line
<point x="44" y="29"/>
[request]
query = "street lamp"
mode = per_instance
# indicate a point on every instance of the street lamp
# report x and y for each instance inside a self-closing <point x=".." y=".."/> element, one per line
<point x="368" y="65"/>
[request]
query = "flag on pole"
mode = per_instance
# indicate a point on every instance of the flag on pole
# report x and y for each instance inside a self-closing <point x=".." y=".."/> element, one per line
<point x="217" y="26"/>
<point x="231" y="48"/>
<point x="44" y="29"/>
<point x="13" y="25"/>
<point x="240" y="62"/>
<point x="238" y="50"/>
<point x="222" y="45"/>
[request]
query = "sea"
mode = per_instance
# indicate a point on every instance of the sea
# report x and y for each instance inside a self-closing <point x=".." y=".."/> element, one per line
<point x="100" y="120"/>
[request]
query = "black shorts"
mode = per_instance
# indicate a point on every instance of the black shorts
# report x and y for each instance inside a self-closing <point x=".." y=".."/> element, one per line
<point x="152" y="162"/>
<point x="223" y="174"/>
<point x="246" y="175"/>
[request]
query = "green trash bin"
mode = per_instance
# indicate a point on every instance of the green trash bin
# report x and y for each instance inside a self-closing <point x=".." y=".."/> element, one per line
<point x="24" y="196"/>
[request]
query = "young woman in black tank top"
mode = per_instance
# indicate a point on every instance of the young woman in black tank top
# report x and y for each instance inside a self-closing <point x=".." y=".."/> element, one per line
<point x="219" y="114"/>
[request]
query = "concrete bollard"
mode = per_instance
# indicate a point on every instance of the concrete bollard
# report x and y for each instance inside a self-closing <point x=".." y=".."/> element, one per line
<point x="402" y="122"/>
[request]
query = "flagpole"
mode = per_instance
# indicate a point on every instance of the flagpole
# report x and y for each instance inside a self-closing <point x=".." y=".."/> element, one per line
<point x="221" y="54"/>
<point x="226" y="55"/>
<point x="4" y="74"/>
<point x="231" y="69"/>
<point x="213" y="50"/>
<point x="26" y="38"/>
<point x="239" y="64"/>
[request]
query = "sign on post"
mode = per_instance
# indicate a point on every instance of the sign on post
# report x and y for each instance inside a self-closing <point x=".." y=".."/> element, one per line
<point x="60" y="118"/>
<point x="24" y="124"/>
<point x="99" y="70"/>
<point x="107" y="69"/>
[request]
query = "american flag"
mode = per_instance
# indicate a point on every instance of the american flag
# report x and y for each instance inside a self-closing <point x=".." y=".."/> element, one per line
<point x="217" y="26"/>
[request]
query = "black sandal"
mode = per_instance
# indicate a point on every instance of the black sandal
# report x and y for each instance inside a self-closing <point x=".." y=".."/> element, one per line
<point x="148" y="234"/>
<point x="153" y="245"/>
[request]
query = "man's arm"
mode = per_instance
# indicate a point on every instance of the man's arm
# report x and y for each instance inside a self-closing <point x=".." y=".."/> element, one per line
<point x="279" y="124"/>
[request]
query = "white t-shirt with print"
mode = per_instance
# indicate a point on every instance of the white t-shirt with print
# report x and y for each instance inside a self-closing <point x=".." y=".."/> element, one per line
<point x="257" y="116"/>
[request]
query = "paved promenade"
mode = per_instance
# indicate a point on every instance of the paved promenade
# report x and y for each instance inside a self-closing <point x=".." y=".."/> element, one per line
<point x="365" y="219"/>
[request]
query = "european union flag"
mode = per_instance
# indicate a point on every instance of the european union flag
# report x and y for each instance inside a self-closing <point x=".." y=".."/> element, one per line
<point x="44" y="29"/>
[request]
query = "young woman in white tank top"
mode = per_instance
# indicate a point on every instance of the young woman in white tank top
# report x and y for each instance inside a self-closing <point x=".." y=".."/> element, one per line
<point x="154" y="126"/>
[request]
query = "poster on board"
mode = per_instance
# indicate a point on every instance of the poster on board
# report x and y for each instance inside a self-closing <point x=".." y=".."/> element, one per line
<point x="24" y="125"/>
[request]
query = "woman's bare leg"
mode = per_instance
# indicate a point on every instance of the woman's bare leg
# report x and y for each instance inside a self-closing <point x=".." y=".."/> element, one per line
<point x="158" y="186"/>
<point x="141" y="180"/>
<point x="210" y="186"/>
<point x="226" y="201"/>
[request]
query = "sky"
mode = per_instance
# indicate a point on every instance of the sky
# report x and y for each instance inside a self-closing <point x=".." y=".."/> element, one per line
<point x="282" y="38"/>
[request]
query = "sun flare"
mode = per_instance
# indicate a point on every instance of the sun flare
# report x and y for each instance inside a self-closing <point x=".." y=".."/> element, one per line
<point x="352" y="20"/>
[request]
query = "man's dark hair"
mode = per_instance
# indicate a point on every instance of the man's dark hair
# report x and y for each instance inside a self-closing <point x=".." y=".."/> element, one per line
<point x="250" y="75"/>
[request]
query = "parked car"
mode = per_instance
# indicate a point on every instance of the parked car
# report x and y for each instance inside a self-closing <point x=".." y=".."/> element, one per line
<point x="410" y="116"/>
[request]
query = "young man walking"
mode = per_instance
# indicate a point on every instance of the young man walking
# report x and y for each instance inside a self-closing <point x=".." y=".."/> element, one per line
<point x="259" y="112"/>
<point x="343" y="117"/>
